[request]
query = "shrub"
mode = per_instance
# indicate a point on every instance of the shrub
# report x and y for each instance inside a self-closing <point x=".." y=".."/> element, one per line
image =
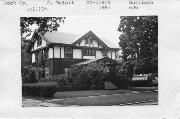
<point x="140" y="83"/>
<point x="39" y="89"/>
<point x="119" y="75"/>
<point x="63" y="83"/>
<point x="88" y="77"/>
<point x="29" y="74"/>
<point x="152" y="80"/>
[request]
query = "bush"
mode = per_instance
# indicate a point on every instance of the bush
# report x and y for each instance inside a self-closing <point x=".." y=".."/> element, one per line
<point x="29" y="74"/>
<point x="152" y="80"/>
<point x="39" y="89"/>
<point x="140" y="83"/>
<point x="88" y="77"/>
<point x="63" y="83"/>
<point x="119" y="75"/>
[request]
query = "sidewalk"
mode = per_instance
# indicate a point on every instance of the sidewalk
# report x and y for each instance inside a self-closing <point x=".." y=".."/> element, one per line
<point x="36" y="103"/>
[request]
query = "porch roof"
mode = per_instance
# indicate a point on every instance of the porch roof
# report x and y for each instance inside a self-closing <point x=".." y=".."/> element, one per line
<point x="93" y="60"/>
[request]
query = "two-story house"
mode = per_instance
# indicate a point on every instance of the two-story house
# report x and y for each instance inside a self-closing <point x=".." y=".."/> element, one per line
<point x="60" y="50"/>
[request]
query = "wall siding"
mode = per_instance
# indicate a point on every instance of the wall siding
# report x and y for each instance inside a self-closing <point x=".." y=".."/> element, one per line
<point x="95" y="42"/>
<point x="113" y="55"/>
<point x="50" y="52"/>
<point x="62" y="52"/>
<point x="100" y="46"/>
<point x="56" y="52"/>
<point x="77" y="53"/>
<point x="89" y="57"/>
<point x="33" y="57"/>
<point x="99" y="54"/>
<point x="42" y="45"/>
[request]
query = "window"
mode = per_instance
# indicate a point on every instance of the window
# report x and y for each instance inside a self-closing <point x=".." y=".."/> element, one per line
<point x="89" y="40"/>
<point x="40" y="55"/>
<point x="68" y="52"/>
<point x="46" y="54"/>
<point x="39" y="41"/>
<point x="89" y="52"/>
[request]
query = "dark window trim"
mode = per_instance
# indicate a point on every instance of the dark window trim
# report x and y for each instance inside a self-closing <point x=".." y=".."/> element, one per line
<point x="111" y="54"/>
<point x="64" y="52"/>
<point x="60" y="51"/>
<point x="39" y="41"/>
<point x="53" y="51"/>
<point x="88" y="52"/>
<point x="36" y="56"/>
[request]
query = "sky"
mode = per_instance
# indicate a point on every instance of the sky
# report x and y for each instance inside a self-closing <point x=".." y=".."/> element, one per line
<point x="102" y="26"/>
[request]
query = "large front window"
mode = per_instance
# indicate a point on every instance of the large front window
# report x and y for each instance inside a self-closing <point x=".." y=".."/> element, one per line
<point x="68" y="52"/>
<point x="89" y="52"/>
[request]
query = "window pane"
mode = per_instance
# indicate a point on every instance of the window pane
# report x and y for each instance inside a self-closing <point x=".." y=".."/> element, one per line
<point x="68" y="52"/>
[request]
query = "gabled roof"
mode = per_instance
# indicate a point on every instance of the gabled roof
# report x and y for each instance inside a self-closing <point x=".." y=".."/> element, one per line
<point x="69" y="38"/>
<point x="109" y="43"/>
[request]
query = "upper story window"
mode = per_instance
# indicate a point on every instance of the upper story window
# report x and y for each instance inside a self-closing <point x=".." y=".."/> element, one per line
<point x="89" y="52"/>
<point x="39" y="41"/>
<point x="89" y="40"/>
<point x="68" y="52"/>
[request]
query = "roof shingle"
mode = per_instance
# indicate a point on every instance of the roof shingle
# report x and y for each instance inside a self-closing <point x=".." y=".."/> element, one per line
<point x="69" y="38"/>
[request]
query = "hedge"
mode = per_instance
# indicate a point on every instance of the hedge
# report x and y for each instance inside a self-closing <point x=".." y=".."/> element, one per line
<point x="42" y="89"/>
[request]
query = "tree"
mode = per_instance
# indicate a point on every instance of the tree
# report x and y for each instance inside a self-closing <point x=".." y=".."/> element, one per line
<point x="44" y="24"/>
<point x="139" y="42"/>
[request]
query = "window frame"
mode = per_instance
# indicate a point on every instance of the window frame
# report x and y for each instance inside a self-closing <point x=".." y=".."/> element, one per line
<point x="39" y="41"/>
<point x="89" y="52"/>
<point x="65" y="52"/>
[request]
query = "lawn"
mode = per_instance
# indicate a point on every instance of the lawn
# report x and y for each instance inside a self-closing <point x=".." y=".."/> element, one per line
<point x="101" y="97"/>
<point x="108" y="100"/>
<point x="72" y="94"/>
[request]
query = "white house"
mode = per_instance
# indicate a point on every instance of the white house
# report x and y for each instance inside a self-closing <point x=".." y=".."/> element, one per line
<point x="59" y="50"/>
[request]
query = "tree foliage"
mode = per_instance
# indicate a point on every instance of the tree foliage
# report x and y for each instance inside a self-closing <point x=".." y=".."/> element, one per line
<point x="88" y="77"/>
<point x="139" y="42"/>
<point x="44" y="24"/>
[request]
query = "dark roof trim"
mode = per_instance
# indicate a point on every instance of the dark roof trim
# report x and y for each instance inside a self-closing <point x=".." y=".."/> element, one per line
<point x="91" y="33"/>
